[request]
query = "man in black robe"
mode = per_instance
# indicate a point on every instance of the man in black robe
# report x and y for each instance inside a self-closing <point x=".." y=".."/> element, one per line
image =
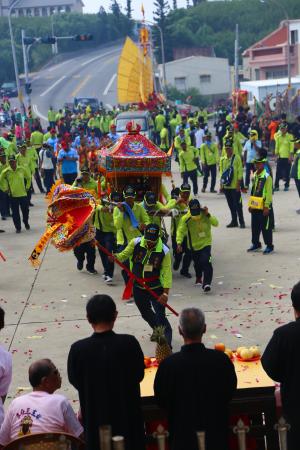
<point x="195" y="387"/>
<point x="106" y="369"/>
<point x="281" y="361"/>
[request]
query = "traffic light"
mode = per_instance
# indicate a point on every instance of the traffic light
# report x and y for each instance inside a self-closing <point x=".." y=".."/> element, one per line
<point x="28" y="89"/>
<point x="29" y="40"/>
<point x="48" y="40"/>
<point x="83" y="37"/>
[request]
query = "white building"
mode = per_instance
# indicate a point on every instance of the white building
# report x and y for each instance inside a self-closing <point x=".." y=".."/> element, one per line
<point x="261" y="89"/>
<point x="210" y="75"/>
<point x="41" y="7"/>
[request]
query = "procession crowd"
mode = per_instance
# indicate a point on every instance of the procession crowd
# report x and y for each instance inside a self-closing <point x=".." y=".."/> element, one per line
<point x="130" y="227"/>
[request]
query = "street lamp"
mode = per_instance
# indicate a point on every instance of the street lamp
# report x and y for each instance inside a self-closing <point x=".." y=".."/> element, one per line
<point x="163" y="56"/>
<point x="13" y="49"/>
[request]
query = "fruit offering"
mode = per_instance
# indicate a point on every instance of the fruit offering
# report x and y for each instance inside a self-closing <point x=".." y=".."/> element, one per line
<point x="221" y="348"/>
<point x="248" y="353"/>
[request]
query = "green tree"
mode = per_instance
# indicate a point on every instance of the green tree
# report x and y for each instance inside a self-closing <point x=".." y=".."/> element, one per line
<point x="115" y="8"/>
<point x="128" y="9"/>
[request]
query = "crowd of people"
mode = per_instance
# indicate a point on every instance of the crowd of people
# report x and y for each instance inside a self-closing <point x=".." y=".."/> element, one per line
<point x="130" y="226"/>
<point x="107" y="368"/>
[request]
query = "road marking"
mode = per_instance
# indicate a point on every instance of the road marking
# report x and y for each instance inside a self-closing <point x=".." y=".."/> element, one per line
<point x="81" y="85"/>
<point x="105" y="92"/>
<point x="36" y="111"/>
<point x="85" y="63"/>
<point x="52" y="86"/>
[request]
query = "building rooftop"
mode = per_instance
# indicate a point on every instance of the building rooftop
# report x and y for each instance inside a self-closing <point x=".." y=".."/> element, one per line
<point x="44" y="3"/>
<point x="276" y="82"/>
<point x="190" y="58"/>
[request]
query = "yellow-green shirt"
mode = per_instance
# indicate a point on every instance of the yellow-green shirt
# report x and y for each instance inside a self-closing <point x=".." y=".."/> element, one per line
<point x="103" y="220"/>
<point x="125" y="230"/>
<point x="165" y="276"/>
<point x="237" y="170"/>
<point x="15" y="182"/>
<point x="197" y="230"/>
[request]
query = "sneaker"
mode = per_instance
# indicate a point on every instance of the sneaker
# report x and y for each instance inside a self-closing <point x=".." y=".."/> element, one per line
<point x="185" y="274"/>
<point x="108" y="279"/>
<point x="286" y="189"/>
<point x="242" y="225"/>
<point x="130" y="301"/>
<point x="232" y="225"/>
<point x="2" y="231"/>
<point x="298" y="211"/>
<point x="203" y="190"/>
<point x="254" y="248"/>
<point x="268" y="250"/>
<point x="79" y="265"/>
<point x="92" y="271"/>
<point x="213" y="191"/>
<point x="18" y="231"/>
<point x="276" y="189"/>
<point x="198" y="281"/>
<point x="103" y="276"/>
<point x="31" y="204"/>
<point x="3" y="218"/>
<point x="27" y="226"/>
<point x="207" y="288"/>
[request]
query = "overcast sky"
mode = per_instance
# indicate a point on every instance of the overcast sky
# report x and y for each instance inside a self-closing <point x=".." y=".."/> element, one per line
<point x="92" y="6"/>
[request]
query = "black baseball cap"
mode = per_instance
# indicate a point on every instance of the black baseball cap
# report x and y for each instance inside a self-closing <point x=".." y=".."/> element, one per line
<point x="116" y="197"/>
<point x="129" y="191"/>
<point x="150" y="198"/>
<point x="185" y="187"/>
<point x="195" y="207"/>
<point x="151" y="232"/>
<point x="175" y="192"/>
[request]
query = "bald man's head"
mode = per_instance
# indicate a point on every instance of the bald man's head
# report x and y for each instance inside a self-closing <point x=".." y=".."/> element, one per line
<point x="44" y="376"/>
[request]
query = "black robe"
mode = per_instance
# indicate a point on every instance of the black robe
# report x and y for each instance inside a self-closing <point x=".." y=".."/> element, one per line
<point x="195" y="387"/>
<point x="281" y="361"/>
<point x="107" y="369"/>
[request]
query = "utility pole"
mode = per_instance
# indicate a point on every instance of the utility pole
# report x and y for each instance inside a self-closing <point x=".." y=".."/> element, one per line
<point x="14" y="55"/>
<point x="236" y="59"/>
<point x="26" y="71"/>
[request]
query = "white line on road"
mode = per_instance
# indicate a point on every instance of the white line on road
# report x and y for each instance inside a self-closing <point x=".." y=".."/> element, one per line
<point x="105" y="92"/>
<point x="52" y="86"/>
<point x="36" y="111"/>
<point x="85" y="63"/>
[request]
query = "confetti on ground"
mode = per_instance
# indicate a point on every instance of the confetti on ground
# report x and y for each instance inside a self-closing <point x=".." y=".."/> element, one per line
<point x="238" y="335"/>
<point x="34" y="337"/>
<point x="273" y="286"/>
<point x="83" y="296"/>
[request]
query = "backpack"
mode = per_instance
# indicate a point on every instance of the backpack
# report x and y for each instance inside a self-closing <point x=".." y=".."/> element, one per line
<point x="227" y="175"/>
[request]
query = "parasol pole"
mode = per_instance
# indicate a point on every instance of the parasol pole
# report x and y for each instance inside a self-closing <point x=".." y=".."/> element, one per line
<point x="134" y="277"/>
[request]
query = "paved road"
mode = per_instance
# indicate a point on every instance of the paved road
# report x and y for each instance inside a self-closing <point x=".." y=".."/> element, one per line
<point x="46" y="307"/>
<point x="92" y="75"/>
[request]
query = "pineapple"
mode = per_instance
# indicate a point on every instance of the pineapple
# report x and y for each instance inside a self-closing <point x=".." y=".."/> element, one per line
<point x="162" y="347"/>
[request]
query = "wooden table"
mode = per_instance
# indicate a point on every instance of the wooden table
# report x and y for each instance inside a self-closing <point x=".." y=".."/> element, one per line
<point x="254" y="398"/>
